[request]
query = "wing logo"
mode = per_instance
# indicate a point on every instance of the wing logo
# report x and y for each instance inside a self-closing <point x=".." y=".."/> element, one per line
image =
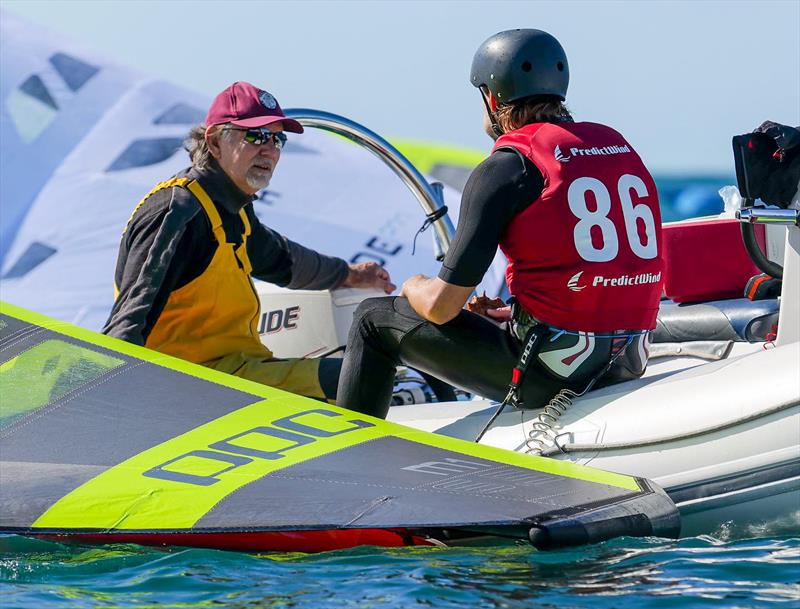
<point x="286" y="429"/>
<point x="560" y="155"/>
<point x="572" y="284"/>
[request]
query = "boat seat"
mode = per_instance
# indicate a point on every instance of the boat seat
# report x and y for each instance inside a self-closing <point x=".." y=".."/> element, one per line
<point x="737" y="319"/>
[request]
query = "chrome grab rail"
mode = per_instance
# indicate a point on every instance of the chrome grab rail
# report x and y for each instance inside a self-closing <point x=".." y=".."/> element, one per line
<point x="758" y="215"/>
<point x="430" y="196"/>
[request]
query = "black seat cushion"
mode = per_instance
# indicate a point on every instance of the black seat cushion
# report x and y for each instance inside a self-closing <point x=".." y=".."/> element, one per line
<point x="738" y="319"/>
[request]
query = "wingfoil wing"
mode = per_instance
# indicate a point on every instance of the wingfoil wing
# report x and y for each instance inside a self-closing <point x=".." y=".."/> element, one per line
<point x="103" y="440"/>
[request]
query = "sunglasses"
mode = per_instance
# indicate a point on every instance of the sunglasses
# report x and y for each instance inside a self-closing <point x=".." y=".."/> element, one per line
<point x="258" y="136"/>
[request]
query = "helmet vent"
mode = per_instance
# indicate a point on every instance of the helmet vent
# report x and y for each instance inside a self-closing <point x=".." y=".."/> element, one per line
<point x="560" y="66"/>
<point x="526" y="66"/>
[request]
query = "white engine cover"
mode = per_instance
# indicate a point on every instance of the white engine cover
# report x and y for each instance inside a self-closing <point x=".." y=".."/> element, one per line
<point x="306" y="323"/>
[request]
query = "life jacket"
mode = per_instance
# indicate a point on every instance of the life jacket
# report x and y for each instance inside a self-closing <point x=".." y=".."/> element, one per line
<point x="585" y="256"/>
<point x="216" y="314"/>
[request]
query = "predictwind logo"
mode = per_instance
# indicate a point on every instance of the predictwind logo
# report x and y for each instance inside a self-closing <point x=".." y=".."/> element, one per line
<point x="572" y="284"/>
<point x="599" y="151"/>
<point x="560" y="155"/>
<point x="605" y="282"/>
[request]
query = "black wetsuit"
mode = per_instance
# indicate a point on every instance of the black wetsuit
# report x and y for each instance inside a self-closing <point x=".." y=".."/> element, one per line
<point x="470" y="351"/>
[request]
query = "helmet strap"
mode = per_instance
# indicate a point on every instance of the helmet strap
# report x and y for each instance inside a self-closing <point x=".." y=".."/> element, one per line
<point x="495" y="126"/>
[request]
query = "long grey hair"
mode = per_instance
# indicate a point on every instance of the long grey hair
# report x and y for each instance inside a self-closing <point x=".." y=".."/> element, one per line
<point x="197" y="146"/>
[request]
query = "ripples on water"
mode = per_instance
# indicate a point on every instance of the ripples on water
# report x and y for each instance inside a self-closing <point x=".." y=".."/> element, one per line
<point x="695" y="572"/>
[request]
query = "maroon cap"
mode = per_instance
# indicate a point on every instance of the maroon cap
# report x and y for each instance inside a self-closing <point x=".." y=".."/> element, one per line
<point x="247" y="106"/>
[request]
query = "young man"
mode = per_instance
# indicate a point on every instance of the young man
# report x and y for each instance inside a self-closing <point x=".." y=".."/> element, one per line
<point x="183" y="276"/>
<point x="576" y="213"/>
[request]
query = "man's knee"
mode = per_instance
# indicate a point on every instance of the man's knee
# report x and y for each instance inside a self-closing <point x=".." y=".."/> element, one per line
<point x="377" y="303"/>
<point x="372" y="309"/>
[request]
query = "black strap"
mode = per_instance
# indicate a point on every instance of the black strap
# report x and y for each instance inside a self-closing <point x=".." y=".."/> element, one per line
<point x="492" y="118"/>
<point x="429" y="219"/>
<point x="532" y="346"/>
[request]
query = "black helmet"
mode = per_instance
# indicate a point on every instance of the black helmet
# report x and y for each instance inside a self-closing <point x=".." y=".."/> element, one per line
<point x="520" y="63"/>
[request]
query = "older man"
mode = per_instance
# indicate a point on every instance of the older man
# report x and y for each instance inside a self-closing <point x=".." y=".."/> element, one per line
<point x="183" y="279"/>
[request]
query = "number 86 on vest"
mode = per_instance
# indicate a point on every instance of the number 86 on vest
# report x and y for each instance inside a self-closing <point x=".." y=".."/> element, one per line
<point x="644" y="245"/>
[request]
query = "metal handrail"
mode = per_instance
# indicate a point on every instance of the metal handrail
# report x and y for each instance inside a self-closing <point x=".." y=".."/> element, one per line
<point x="757" y="215"/>
<point x="430" y="196"/>
<point x="750" y="216"/>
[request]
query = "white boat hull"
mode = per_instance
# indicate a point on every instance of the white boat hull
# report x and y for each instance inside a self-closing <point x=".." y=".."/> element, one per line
<point x="730" y="459"/>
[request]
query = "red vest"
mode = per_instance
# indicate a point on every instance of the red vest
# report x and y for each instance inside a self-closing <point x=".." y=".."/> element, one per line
<point x="586" y="255"/>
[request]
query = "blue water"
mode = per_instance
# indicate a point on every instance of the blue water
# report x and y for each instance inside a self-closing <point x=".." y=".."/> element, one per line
<point x="695" y="572"/>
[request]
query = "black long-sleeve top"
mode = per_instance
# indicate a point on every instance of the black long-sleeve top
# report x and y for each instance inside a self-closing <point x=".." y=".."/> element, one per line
<point x="497" y="190"/>
<point x="169" y="242"/>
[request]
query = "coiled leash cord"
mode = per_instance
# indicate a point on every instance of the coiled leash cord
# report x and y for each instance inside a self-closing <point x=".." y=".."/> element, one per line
<point x="562" y="400"/>
<point x="558" y="406"/>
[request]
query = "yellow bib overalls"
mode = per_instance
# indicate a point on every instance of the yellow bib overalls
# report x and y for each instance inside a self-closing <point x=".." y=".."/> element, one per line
<point x="213" y="320"/>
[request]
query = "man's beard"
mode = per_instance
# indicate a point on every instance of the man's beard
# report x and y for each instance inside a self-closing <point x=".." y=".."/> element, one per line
<point x="257" y="179"/>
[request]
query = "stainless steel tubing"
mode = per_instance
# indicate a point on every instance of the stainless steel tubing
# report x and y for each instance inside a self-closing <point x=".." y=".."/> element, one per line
<point x="756" y="215"/>
<point x="430" y="196"/>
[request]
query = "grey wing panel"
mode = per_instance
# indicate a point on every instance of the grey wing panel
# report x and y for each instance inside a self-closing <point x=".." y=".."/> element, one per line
<point x="392" y="482"/>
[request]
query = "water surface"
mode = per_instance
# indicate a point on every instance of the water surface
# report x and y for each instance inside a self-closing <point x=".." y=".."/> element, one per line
<point x="695" y="572"/>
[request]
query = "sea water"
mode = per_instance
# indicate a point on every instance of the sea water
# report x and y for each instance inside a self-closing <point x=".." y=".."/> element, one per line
<point x="624" y="573"/>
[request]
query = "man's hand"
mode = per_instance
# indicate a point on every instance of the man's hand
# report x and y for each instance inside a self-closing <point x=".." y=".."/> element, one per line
<point x="369" y="275"/>
<point x="500" y="314"/>
<point x="493" y="308"/>
<point x="411" y="283"/>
